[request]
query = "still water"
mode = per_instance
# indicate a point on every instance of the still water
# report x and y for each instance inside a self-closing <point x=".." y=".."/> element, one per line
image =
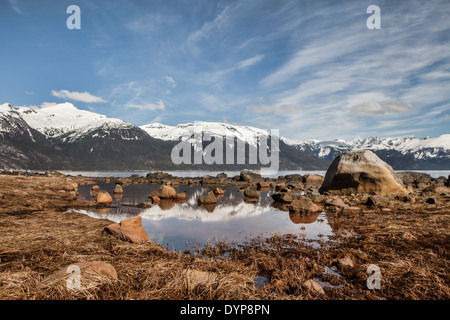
<point x="180" y="226"/>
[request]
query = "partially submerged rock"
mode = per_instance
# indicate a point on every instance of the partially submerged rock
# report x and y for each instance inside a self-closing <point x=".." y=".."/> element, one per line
<point x="360" y="172"/>
<point x="180" y="196"/>
<point x="164" y="192"/>
<point x="303" y="205"/>
<point x="118" y="189"/>
<point x="208" y="198"/>
<point x="103" y="197"/>
<point x="251" y="193"/>
<point x="218" y="191"/>
<point x="285" y="197"/>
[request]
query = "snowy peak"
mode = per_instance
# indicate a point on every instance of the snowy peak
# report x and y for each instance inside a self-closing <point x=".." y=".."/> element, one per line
<point x="12" y="124"/>
<point x="185" y="131"/>
<point x="425" y="148"/>
<point x="58" y="119"/>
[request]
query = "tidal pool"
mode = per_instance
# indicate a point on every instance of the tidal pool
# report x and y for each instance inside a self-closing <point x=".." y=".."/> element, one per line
<point x="184" y="225"/>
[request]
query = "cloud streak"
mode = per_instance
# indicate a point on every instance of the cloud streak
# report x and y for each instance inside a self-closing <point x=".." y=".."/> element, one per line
<point x="148" y="106"/>
<point x="77" y="96"/>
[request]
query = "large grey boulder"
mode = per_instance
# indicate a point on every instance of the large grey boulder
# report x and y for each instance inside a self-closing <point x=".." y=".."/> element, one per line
<point x="357" y="172"/>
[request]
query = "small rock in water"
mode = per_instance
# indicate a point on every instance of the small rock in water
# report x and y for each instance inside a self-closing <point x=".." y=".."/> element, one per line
<point x="164" y="192"/>
<point x="283" y="197"/>
<point x="251" y="193"/>
<point x="180" y="196"/>
<point x="103" y="197"/>
<point x="209" y="198"/>
<point x="118" y="189"/>
<point x="304" y="205"/>
<point x="155" y="199"/>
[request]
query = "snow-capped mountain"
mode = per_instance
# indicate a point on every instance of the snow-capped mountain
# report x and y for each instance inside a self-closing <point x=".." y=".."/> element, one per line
<point x="65" y="137"/>
<point x="399" y="152"/>
<point x="11" y="123"/>
<point x="23" y="147"/>
<point x="197" y="134"/>
<point x="65" y="121"/>
<point x="247" y="134"/>
<point x="61" y="136"/>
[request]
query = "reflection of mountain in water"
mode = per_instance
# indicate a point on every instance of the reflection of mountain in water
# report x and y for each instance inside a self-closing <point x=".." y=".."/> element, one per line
<point x="221" y="212"/>
<point x="173" y="223"/>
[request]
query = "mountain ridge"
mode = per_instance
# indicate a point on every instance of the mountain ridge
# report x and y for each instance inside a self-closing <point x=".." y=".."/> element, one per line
<point x="82" y="140"/>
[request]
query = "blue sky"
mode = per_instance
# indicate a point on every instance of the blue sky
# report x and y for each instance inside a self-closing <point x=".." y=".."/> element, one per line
<point x="311" y="69"/>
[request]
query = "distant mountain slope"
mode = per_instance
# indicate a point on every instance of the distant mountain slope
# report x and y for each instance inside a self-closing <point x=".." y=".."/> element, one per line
<point x="290" y="158"/>
<point x="401" y="153"/>
<point x="22" y="147"/>
<point x="61" y="136"/>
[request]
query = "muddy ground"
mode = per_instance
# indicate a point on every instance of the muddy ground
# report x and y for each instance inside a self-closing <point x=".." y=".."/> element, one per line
<point x="407" y="240"/>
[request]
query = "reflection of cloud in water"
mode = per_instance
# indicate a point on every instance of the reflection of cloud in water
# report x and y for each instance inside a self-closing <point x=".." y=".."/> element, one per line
<point x="116" y="216"/>
<point x="220" y="213"/>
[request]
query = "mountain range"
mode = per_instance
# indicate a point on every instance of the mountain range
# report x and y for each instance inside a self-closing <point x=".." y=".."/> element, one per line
<point x="63" y="137"/>
<point x="401" y="153"/>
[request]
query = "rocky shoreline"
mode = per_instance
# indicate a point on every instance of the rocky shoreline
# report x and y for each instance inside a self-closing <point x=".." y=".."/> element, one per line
<point x="406" y="235"/>
<point x="55" y="190"/>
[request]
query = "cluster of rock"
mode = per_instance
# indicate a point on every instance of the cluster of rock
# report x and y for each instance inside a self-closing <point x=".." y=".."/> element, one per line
<point x="354" y="180"/>
<point x="360" y="179"/>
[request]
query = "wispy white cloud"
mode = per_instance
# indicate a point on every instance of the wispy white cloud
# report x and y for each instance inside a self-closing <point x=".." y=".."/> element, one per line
<point x="48" y="104"/>
<point x="213" y="76"/>
<point x="148" y="106"/>
<point x="209" y="28"/>
<point x="15" y="6"/>
<point x="170" y="81"/>
<point x="282" y="110"/>
<point x="374" y="108"/>
<point x="77" y="96"/>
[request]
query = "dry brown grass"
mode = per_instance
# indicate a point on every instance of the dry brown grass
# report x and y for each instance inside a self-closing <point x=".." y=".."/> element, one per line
<point x="409" y="246"/>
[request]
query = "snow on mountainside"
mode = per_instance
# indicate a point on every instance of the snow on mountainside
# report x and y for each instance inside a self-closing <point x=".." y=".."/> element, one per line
<point x="63" y="118"/>
<point x="67" y="123"/>
<point x="11" y="122"/>
<point x="426" y="148"/>
<point x="59" y="133"/>
<point x="186" y="131"/>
